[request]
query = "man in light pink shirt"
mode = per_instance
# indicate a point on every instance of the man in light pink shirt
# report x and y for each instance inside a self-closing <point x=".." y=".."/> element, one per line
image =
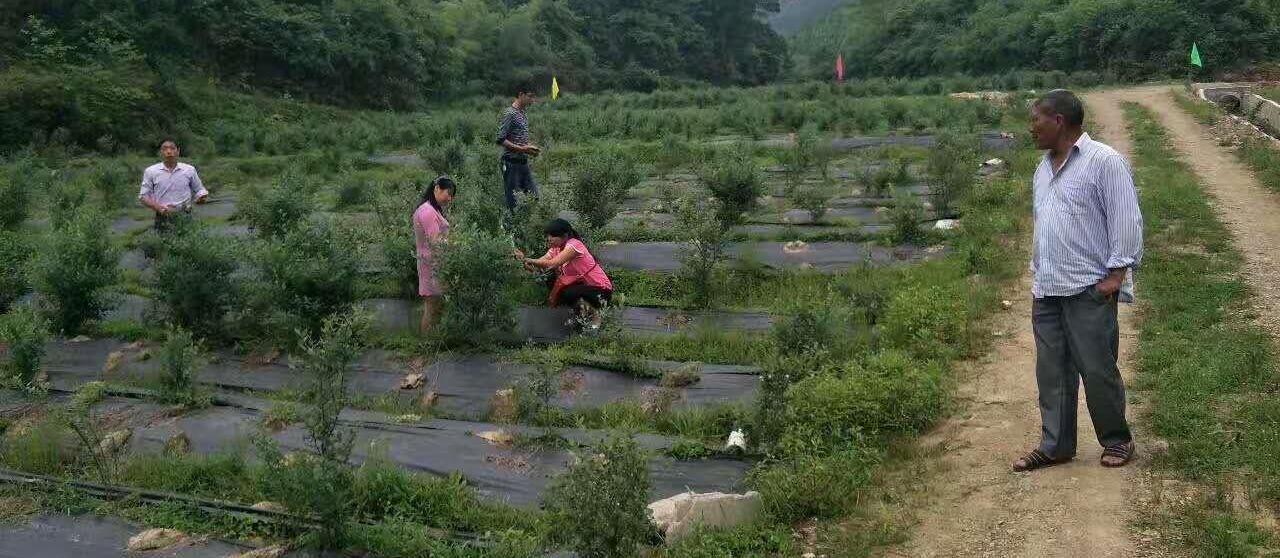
<point x="170" y="188"/>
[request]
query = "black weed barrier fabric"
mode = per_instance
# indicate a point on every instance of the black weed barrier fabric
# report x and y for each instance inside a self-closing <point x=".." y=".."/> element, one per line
<point x="60" y="536"/>
<point x="511" y="474"/>
<point x="827" y="257"/>
<point x="464" y="385"/>
<point x="550" y="325"/>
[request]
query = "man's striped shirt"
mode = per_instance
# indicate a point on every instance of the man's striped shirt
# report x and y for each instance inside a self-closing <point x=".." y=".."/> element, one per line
<point x="514" y="127"/>
<point x="1087" y="221"/>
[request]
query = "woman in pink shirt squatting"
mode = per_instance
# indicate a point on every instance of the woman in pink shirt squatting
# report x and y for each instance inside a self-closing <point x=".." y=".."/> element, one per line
<point x="581" y="283"/>
<point x="430" y="229"/>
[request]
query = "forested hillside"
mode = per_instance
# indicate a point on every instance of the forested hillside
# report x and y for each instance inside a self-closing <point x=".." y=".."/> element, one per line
<point x="396" y="53"/>
<point x="1121" y="39"/>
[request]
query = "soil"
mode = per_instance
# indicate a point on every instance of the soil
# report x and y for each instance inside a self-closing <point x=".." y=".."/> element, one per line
<point x="975" y="505"/>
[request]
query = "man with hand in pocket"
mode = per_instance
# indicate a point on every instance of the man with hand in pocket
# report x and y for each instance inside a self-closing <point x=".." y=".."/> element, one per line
<point x="1088" y="239"/>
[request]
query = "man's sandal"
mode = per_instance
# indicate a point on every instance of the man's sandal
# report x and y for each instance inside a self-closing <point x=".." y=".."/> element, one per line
<point x="1037" y="459"/>
<point x="1120" y="454"/>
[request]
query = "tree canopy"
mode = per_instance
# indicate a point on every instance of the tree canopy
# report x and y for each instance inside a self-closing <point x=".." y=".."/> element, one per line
<point x="396" y="53"/>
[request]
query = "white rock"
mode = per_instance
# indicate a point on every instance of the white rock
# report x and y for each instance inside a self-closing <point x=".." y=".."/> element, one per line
<point x="737" y="439"/>
<point x="946" y="224"/>
<point x="679" y="515"/>
<point x="155" y="539"/>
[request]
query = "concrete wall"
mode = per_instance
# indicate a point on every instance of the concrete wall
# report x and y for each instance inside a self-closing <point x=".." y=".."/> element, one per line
<point x="1261" y="111"/>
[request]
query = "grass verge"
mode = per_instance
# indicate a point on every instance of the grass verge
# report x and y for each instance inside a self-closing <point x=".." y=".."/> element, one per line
<point x="1208" y="368"/>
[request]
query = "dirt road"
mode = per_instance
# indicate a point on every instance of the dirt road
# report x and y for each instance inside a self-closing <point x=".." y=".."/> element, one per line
<point x="977" y="507"/>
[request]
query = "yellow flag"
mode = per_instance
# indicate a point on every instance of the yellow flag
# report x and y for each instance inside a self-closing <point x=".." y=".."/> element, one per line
<point x="555" y="88"/>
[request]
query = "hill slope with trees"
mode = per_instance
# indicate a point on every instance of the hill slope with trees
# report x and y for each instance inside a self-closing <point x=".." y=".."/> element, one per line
<point x="1121" y="39"/>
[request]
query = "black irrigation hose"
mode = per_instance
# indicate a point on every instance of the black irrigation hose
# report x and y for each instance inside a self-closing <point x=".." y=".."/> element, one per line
<point x="113" y="492"/>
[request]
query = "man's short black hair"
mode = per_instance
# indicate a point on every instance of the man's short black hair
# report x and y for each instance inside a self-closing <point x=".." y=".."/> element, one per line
<point x="526" y="86"/>
<point x="1065" y="103"/>
<point x="168" y="140"/>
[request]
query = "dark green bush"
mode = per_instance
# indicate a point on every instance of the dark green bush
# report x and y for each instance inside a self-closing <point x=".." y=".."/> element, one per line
<point x="891" y="393"/>
<point x="276" y="209"/>
<point x="528" y="221"/>
<point x="813" y="198"/>
<point x="600" y="504"/>
<point x="319" y="483"/>
<point x="804" y="487"/>
<point x="15" y="200"/>
<point x="115" y="183"/>
<point x="445" y="158"/>
<point x="953" y="169"/>
<point x="907" y="215"/>
<point x="193" y="281"/>
<point x="303" y="278"/>
<point x="25" y="332"/>
<point x="600" y="183"/>
<point x="701" y="264"/>
<point x="15" y="252"/>
<point x="66" y="103"/>
<point x="735" y="183"/>
<point x="75" y="270"/>
<point x="394" y="207"/>
<point x="477" y="273"/>
<point x="928" y="321"/>
<point x="179" y="363"/>
<point x="66" y="197"/>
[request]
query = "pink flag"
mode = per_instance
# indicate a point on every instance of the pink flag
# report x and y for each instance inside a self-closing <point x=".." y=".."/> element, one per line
<point x="839" y="67"/>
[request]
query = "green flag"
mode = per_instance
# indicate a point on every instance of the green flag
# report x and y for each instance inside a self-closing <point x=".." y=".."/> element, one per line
<point x="1195" y="56"/>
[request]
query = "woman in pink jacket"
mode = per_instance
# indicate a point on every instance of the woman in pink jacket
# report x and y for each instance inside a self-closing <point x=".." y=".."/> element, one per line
<point x="580" y="283"/>
<point x="429" y="229"/>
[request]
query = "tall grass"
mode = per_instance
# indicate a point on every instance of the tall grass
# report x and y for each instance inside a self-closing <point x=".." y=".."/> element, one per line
<point x="1209" y="368"/>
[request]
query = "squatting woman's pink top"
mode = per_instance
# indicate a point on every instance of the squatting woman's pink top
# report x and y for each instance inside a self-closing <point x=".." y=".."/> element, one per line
<point x="429" y="227"/>
<point x="582" y="266"/>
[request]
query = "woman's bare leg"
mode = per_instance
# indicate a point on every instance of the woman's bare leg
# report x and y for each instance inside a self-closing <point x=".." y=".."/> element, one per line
<point x="430" y="313"/>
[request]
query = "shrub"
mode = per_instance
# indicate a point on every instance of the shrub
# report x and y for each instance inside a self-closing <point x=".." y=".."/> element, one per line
<point x="25" y="332"/>
<point x="733" y="182"/>
<point x="526" y="224"/>
<point x="42" y="448"/>
<point x="114" y="182"/>
<point x="15" y="200"/>
<point x="812" y="198"/>
<point x="351" y="191"/>
<point x="952" y="165"/>
<point x="477" y="273"/>
<point x="906" y="216"/>
<point x="394" y="207"/>
<point x="541" y="384"/>
<point x="601" y="502"/>
<point x="15" y="250"/>
<point x="811" y="486"/>
<point x="303" y="278"/>
<point x="928" y="321"/>
<point x="701" y="262"/>
<point x="178" y="365"/>
<point x="672" y="153"/>
<point x="66" y="197"/>
<point x="800" y="157"/>
<point x="890" y="393"/>
<point x="75" y="269"/>
<point x="193" y="281"/>
<point x="599" y="186"/>
<point x="320" y="483"/>
<point x="446" y="157"/>
<point x="274" y="210"/>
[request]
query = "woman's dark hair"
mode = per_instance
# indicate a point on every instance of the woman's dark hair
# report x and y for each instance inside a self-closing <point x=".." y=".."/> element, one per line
<point x="561" y="228"/>
<point x="443" y="182"/>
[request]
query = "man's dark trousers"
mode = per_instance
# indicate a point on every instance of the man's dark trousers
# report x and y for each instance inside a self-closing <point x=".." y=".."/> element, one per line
<point x="1078" y="337"/>
<point x="516" y="176"/>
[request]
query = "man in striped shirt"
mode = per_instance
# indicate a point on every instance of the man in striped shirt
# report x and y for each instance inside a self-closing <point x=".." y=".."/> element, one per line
<point x="1088" y="238"/>
<point x="513" y="136"/>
